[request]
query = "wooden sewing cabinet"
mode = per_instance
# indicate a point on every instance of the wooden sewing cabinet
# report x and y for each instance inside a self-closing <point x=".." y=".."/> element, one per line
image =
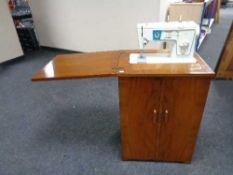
<point x="161" y="105"/>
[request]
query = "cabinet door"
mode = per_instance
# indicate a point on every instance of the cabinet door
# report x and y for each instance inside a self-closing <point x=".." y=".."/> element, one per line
<point x="139" y="108"/>
<point x="183" y="103"/>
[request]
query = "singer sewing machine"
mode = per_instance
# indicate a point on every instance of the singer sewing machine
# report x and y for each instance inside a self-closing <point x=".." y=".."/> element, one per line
<point x="179" y="37"/>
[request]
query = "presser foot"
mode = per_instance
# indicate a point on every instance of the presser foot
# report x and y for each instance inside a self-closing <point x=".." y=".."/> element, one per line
<point x="141" y="58"/>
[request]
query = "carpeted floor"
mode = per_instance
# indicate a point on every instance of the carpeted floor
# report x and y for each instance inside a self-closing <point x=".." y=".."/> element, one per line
<point x="212" y="45"/>
<point x="72" y="126"/>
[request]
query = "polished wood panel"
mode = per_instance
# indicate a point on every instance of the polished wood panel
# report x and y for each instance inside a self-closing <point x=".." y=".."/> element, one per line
<point x="114" y="63"/>
<point x="70" y="66"/>
<point x="160" y="117"/>
<point x="139" y="108"/>
<point x="225" y="67"/>
<point x="183" y="103"/>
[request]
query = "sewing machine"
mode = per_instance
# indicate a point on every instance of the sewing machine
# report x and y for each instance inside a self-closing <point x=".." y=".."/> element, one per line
<point x="180" y="39"/>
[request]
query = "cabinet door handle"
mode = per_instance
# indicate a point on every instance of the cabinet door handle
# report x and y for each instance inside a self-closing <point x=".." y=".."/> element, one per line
<point x="154" y="116"/>
<point x="166" y="115"/>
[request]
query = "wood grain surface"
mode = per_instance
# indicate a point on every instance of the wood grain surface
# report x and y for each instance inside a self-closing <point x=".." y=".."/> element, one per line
<point x="225" y="67"/>
<point x="139" y="108"/>
<point x="183" y="102"/>
<point x="160" y="117"/>
<point x="114" y="63"/>
<point x="70" y="66"/>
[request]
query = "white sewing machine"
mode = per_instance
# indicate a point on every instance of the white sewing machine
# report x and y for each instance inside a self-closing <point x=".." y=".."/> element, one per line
<point x="180" y="36"/>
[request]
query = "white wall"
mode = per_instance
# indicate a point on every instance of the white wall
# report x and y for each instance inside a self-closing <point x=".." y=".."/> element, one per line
<point x="9" y="43"/>
<point x="91" y="25"/>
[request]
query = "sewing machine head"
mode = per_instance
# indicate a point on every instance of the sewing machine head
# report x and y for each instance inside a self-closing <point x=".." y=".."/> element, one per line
<point x="180" y="37"/>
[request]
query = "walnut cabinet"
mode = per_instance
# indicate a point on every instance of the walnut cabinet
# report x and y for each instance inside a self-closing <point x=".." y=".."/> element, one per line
<point x="161" y="105"/>
<point x="160" y="117"/>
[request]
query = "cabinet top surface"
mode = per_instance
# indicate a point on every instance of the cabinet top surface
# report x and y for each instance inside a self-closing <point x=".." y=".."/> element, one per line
<point x="115" y="63"/>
